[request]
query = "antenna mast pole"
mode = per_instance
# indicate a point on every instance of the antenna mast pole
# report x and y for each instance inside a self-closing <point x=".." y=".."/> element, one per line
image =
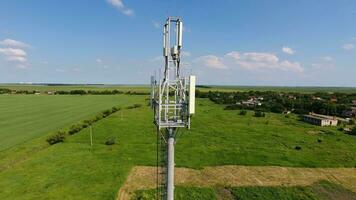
<point x="173" y="99"/>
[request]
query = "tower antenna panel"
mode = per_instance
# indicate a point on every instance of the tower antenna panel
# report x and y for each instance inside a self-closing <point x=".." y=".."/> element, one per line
<point x="172" y="98"/>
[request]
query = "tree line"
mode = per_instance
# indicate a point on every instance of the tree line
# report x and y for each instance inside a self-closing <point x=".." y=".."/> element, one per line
<point x="73" y="92"/>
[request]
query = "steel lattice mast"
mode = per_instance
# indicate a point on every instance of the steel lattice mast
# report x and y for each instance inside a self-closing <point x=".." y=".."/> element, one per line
<point x="173" y="98"/>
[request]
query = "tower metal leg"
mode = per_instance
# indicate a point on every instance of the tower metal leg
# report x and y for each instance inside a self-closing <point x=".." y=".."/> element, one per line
<point x="170" y="165"/>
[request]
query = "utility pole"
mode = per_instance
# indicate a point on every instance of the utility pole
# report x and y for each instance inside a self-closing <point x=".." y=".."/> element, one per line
<point x="172" y="98"/>
<point x="91" y="137"/>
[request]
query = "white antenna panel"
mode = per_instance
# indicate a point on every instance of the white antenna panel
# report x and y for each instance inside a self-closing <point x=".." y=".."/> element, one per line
<point x="192" y="80"/>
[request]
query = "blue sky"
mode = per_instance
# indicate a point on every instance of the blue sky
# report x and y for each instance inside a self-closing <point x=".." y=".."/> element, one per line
<point x="231" y="42"/>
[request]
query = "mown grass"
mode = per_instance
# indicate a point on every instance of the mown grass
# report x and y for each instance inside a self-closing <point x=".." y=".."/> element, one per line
<point x="180" y="193"/>
<point x="74" y="170"/>
<point x="24" y="117"/>
<point x="322" y="190"/>
<point x="220" y="137"/>
<point x="319" y="191"/>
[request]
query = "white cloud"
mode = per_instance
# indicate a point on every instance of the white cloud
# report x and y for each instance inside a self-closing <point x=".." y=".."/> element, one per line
<point x="98" y="60"/>
<point x="211" y="61"/>
<point x="186" y="54"/>
<point x="259" y="61"/>
<point x="252" y="61"/>
<point x="348" y="46"/>
<point x="288" y="50"/>
<point x="156" y="59"/>
<point x="327" y="58"/>
<point x="322" y="66"/>
<point x="13" y="51"/>
<point x="14" y="43"/>
<point x="118" y="4"/>
<point x="15" y="55"/>
<point x="60" y="70"/>
<point x="290" y="66"/>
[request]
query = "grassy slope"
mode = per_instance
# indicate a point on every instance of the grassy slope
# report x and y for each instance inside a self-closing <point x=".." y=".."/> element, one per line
<point x="24" y="117"/>
<point x="71" y="171"/>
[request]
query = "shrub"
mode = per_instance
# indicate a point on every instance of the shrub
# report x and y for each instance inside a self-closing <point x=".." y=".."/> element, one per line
<point x="56" y="138"/>
<point x="259" y="113"/>
<point x="115" y="109"/>
<point x="74" y="129"/>
<point x="243" y="112"/>
<point x="98" y="117"/>
<point x="298" y="148"/>
<point x="136" y="105"/>
<point x="106" y="113"/>
<point x="87" y="122"/>
<point x="80" y="92"/>
<point x="353" y="131"/>
<point x="319" y="140"/>
<point x="110" y="141"/>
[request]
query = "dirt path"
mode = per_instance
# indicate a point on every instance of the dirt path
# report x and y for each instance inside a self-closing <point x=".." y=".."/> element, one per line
<point x="142" y="177"/>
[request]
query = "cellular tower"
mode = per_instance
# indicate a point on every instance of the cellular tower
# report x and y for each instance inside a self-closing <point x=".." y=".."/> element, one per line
<point x="173" y="102"/>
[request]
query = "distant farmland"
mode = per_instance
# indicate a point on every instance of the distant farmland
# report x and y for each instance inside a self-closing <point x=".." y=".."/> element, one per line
<point x="205" y="88"/>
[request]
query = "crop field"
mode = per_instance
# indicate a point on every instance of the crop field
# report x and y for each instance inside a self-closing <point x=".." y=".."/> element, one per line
<point x="75" y="170"/>
<point x="24" y="117"/>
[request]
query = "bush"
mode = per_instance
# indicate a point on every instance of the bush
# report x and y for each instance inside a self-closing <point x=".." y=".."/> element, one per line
<point x="110" y="141"/>
<point x="319" y="140"/>
<point x="87" y="122"/>
<point x="298" y="148"/>
<point x="56" y="138"/>
<point x="136" y="105"/>
<point x="115" y="109"/>
<point x="98" y="117"/>
<point x="259" y="114"/>
<point x="76" y="92"/>
<point x="353" y="131"/>
<point x="106" y="113"/>
<point x="243" y="112"/>
<point x="74" y="129"/>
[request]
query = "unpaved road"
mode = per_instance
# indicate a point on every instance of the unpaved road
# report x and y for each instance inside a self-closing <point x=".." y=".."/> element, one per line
<point x="142" y="177"/>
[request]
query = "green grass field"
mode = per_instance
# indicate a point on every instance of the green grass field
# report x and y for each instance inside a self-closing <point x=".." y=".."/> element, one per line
<point x="24" y="117"/>
<point x="180" y="193"/>
<point x="71" y="170"/>
<point x="322" y="190"/>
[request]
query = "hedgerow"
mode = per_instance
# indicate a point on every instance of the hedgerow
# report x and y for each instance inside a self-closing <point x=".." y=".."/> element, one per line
<point x="75" y="128"/>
